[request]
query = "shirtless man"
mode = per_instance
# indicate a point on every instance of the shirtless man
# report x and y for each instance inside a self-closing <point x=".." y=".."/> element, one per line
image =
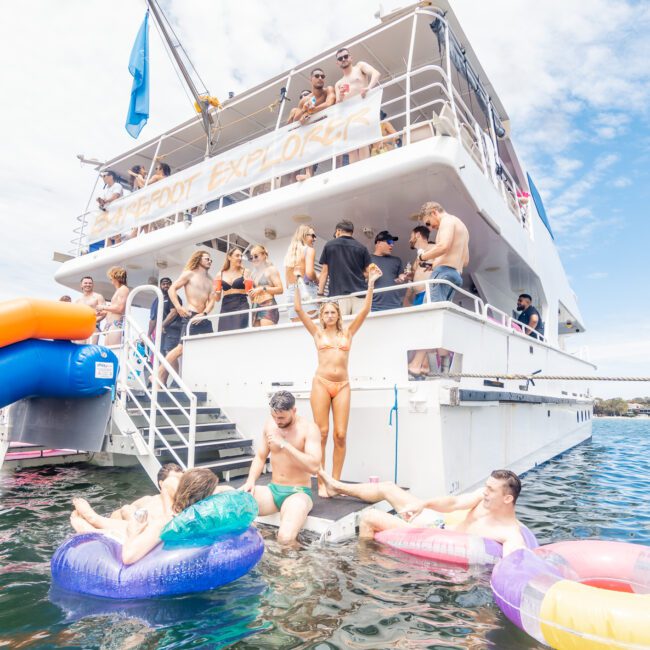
<point x="357" y="79"/>
<point x="114" y="310"/>
<point x="320" y="98"/>
<point x="450" y="254"/>
<point x="419" y="241"/>
<point x="294" y="445"/>
<point x="199" y="298"/>
<point x="92" y="299"/>
<point x="490" y="511"/>
<point x="296" y="111"/>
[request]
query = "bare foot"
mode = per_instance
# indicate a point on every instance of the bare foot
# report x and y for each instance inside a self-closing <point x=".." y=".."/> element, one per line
<point x="79" y="524"/>
<point x="82" y="508"/>
<point x="327" y="484"/>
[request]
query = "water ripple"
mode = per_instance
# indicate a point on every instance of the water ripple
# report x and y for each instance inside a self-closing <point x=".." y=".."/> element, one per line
<point x="349" y="596"/>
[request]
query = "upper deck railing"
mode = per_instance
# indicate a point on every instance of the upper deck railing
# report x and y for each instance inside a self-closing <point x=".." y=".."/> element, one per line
<point x="421" y="102"/>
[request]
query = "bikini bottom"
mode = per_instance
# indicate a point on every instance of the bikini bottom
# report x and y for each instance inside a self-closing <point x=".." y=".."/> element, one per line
<point x="333" y="388"/>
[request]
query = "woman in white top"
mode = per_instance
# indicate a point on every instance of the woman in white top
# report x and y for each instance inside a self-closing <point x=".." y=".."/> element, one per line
<point x="299" y="263"/>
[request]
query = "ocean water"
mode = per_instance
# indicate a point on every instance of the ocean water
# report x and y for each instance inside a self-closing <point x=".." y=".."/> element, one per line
<point x="353" y="595"/>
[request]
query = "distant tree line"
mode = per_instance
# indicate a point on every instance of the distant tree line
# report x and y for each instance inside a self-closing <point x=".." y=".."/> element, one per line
<point x="614" y="406"/>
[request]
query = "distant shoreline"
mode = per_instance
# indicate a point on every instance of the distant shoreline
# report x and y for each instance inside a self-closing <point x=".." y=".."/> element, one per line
<point x="621" y="417"/>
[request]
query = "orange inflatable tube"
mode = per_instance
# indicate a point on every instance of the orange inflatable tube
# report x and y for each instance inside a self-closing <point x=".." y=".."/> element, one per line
<point x="28" y="318"/>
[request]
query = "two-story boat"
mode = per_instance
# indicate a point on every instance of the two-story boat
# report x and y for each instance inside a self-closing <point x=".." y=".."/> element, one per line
<point x="236" y="187"/>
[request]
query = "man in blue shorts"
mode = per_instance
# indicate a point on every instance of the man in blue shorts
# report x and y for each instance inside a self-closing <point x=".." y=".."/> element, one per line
<point x="450" y="254"/>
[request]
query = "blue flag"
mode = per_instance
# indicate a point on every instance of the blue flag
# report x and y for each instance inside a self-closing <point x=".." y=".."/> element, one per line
<point x="138" y="113"/>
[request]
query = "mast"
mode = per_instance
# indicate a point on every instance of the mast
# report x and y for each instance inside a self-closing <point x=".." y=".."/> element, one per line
<point x="173" y="45"/>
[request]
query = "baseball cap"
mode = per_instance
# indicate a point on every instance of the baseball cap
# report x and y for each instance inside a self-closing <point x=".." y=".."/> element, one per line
<point x="384" y="235"/>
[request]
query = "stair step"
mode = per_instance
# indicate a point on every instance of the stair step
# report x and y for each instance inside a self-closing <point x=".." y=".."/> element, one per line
<point x="164" y="398"/>
<point x="228" y="463"/>
<point x="202" y="427"/>
<point x="175" y="410"/>
<point x="228" y="443"/>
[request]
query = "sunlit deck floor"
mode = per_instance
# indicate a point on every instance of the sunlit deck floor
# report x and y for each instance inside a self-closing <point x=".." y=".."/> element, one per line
<point x="332" y="519"/>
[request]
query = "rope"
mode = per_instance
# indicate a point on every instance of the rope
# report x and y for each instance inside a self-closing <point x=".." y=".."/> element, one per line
<point x="473" y="375"/>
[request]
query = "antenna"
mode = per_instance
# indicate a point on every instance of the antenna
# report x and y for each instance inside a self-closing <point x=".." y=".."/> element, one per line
<point x="174" y="45"/>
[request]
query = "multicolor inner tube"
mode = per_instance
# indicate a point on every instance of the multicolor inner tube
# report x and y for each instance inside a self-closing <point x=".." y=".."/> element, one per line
<point x="578" y="595"/>
<point x="448" y="546"/>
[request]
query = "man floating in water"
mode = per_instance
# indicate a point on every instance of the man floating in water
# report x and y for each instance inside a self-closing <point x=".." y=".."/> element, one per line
<point x="294" y="445"/>
<point x="488" y="512"/>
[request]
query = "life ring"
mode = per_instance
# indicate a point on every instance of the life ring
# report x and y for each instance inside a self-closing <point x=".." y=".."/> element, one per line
<point x="449" y="546"/>
<point x="91" y="563"/>
<point x="578" y="595"/>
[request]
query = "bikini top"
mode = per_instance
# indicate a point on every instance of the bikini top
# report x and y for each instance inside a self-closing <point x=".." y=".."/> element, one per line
<point x="330" y="346"/>
<point x="237" y="284"/>
<point x="261" y="278"/>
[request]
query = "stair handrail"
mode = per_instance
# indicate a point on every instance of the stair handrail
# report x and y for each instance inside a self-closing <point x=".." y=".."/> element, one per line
<point x="156" y="384"/>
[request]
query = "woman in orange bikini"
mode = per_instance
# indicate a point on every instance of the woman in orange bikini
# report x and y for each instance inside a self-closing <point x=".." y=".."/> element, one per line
<point x="331" y="384"/>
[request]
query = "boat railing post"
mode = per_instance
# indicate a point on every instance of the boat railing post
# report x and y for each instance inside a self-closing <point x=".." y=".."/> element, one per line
<point x="153" y="161"/>
<point x="450" y="80"/>
<point x="407" y="94"/>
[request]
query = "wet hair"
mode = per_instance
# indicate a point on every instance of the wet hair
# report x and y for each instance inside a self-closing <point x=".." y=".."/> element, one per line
<point x="165" y="169"/>
<point x="294" y="252"/>
<point x="527" y="296"/>
<point x="282" y="400"/>
<point x="195" y="260"/>
<point x="342" y="49"/>
<point x="166" y="470"/>
<point x="430" y="206"/>
<point x="117" y="273"/>
<point x="339" y="320"/>
<point x="345" y="226"/>
<point x="311" y="74"/>
<point x="511" y="480"/>
<point x="86" y="277"/>
<point x="226" y="262"/>
<point x="195" y="485"/>
<point x="423" y="231"/>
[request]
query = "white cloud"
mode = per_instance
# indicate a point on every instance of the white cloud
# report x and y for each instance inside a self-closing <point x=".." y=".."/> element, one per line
<point x="597" y="275"/>
<point x="622" y="181"/>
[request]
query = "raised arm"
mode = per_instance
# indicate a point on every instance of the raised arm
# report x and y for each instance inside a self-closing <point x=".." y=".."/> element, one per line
<point x="304" y="319"/>
<point x="367" y="303"/>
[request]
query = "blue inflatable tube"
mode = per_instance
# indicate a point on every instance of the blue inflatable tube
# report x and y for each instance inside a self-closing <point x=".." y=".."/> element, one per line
<point x="91" y="563"/>
<point x="38" y="368"/>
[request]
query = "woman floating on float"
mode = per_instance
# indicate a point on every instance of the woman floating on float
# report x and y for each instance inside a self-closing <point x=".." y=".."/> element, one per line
<point x="578" y="595"/>
<point x="208" y="541"/>
<point x="331" y="385"/>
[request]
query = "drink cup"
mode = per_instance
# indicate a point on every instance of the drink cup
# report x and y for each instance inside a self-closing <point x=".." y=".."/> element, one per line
<point x="373" y="479"/>
<point x="248" y="284"/>
<point x="345" y="88"/>
<point x="217" y="284"/>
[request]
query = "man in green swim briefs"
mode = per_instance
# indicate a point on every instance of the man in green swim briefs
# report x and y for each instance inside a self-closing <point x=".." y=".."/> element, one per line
<point x="294" y="445"/>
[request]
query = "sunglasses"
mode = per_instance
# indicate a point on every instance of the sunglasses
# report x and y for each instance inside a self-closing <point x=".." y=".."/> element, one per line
<point x="319" y="76"/>
<point x="257" y="257"/>
<point x="343" y="57"/>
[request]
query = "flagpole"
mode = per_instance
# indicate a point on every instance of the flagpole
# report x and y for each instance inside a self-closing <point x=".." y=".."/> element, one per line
<point x="206" y="118"/>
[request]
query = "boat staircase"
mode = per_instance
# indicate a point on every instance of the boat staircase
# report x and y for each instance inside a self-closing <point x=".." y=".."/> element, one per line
<point x="161" y="425"/>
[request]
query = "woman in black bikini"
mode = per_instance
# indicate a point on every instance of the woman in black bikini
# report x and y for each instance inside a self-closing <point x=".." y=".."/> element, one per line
<point x="231" y="284"/>
<point x="267" y="285"/>
<point x="330" y="388"/>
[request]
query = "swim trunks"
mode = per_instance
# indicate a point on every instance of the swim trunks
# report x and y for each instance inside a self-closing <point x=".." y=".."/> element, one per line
<point x="202" y="327"/>
<point x="419" y="298"/>
<point x="281" y="493"/>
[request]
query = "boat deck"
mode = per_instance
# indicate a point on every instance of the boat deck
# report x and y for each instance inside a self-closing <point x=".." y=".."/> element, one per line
<point x="333" y="519"/>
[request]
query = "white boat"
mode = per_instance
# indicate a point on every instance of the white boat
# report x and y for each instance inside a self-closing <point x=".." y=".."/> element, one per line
<point x="441" y="435"/>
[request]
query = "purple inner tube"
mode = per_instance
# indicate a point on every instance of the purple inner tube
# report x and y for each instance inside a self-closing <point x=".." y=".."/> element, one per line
<point x="91" y="563"/>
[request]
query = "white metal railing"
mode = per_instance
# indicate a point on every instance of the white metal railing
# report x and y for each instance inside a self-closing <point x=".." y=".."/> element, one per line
<point x="465" y="127"/>
<point x="134" y="365"/>
<point x="481" y="309"/>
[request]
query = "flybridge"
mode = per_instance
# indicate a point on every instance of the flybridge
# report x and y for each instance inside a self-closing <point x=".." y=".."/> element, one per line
<point x="340" y="128"/>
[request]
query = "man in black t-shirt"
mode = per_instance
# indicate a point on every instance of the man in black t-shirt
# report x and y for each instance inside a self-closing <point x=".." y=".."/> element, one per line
<point x="345" y="262"/>
<point x="171" y="325"/>
<point x="391" y="268"/>
<point x="529" y="316"/>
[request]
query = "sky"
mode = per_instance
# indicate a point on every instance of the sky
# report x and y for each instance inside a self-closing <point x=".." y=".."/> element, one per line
<point x="573" y="76"/>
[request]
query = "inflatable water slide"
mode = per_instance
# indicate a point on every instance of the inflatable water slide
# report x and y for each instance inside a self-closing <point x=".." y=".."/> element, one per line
<point x="60" y="391"/>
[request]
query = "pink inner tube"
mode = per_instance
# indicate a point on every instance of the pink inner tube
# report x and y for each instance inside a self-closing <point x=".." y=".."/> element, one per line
<point x="449" y="546"/>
